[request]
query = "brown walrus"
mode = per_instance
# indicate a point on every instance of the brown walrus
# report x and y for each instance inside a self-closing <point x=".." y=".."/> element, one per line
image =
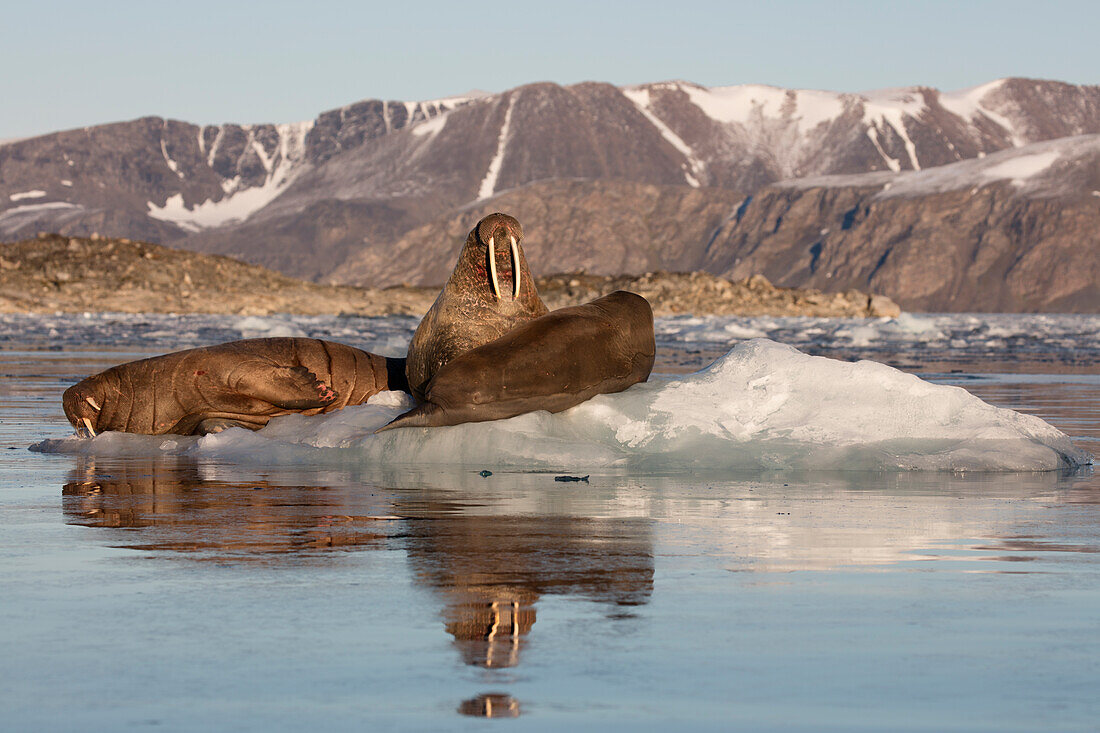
<point x="485" y="297"/>
<point x="550" y="363"/>
<point x="237" y="384"/>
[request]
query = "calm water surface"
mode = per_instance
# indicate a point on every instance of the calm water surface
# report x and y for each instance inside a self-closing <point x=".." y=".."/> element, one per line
<point x="173" y="594"/>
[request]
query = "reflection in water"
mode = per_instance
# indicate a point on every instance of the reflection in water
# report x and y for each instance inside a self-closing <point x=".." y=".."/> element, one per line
<point x="184" y="511"/>
<point x="490" y="548"/>
<point x="493" y="547"/>
<point x="491" y="570"/>
<point x="490" y="705"/>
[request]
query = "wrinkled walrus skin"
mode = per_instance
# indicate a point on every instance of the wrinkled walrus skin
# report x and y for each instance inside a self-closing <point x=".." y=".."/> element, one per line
<point x="489" y="293"/>
<point x="236" y="384"/>
<point x="551" y="363"/>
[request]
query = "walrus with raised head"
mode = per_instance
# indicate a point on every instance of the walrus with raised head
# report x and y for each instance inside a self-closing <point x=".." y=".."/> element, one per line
<point x="237" y="384"/>
<point x="549" y="363"/>
<point x="489" y="293"/>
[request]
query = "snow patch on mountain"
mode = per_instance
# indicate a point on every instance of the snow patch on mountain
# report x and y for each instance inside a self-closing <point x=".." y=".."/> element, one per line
<point x="1020" y="168"/>
<point x="14" y="219"/>
<point x="973" y="102"/>
<point x="430" y="127"/>
<point x="641" y="99"/>
<point x="891" y="107"/>
<point x="489" y="183"/>
<point x="34" y="194"/>
<point x="282" y="166"/>
<point x="789" y="125"/>
<point x="1027" y="168"/>
<point x="748" y="103"/>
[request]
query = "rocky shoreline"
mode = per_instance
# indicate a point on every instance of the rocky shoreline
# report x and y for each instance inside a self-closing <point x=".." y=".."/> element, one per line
<point x="59" y="274"/>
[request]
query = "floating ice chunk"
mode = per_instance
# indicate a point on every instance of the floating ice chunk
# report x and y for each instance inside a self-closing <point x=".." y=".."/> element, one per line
<point x="761" y="406"/>
<point x="125" y="445"/>
<point x="916" y="325"/>
<point x="864" y="335"/>
<point x="267" y="327"/>
<point x="743" y="331"/>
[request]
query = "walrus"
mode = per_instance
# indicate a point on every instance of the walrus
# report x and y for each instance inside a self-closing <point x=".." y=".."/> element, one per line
<point x="236" y="384"/>
<point x="550" y="363"/>
<point x="485" y="297"/>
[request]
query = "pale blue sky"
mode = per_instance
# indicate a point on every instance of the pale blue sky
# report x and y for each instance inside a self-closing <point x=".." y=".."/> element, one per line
<point x="67" y="64"/>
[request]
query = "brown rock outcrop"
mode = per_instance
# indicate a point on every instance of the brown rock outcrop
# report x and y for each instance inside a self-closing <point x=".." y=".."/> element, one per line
<point x="54" y="273"/>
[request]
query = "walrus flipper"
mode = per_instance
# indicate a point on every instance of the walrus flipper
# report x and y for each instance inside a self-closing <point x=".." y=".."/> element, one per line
<point x="289" y="388"/>
<point x="422" y="416"/>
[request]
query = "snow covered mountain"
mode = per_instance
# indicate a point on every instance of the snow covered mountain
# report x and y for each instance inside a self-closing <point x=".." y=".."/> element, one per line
<point x="333" y="198"/>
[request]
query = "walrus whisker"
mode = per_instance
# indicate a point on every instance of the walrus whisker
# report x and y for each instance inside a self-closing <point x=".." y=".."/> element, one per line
<point x="88" y="424"/>
<point x="493" y="268"/>
<point x="92" y="402"/>
<point x="515" y="269"/>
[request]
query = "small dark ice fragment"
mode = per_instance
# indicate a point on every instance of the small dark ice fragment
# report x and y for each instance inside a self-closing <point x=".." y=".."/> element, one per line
<point x="484" y="473"/>
<point x="571" y="478"/>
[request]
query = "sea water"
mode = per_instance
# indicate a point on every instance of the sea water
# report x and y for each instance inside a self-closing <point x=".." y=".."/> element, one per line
<point x="729" y="553"/>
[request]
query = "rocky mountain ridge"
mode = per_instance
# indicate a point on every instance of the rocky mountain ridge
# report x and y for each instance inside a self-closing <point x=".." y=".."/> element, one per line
<point x="614" y="180"/>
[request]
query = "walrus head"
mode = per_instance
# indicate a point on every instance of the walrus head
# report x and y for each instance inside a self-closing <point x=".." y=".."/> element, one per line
<point x="490" y="292"/>
<point x="500" y="232"/>
<point x="83" y="404"/>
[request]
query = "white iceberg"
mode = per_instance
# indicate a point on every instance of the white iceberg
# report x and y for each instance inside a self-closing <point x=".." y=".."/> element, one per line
<point x="763" y="405"/>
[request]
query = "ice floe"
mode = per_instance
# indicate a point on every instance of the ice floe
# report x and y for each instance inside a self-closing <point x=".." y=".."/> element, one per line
<point x="762" y="406"/>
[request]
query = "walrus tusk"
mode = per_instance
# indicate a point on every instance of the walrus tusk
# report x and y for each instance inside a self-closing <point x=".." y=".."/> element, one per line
<point x="88" y="424"/>
<point x="493" y="268"/>
<point x="515" y="269"/>
<point x="92" y="402"/>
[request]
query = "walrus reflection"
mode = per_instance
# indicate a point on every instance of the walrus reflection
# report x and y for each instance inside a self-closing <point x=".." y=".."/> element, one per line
<point x="490" y="705"/>
<point x="492" y="570"/>
<point x="180" y="510"/>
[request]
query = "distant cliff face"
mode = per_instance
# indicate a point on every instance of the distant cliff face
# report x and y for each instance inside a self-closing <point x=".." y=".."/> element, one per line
<point x="1014" y="231"/>
<point x="612" y="179"/>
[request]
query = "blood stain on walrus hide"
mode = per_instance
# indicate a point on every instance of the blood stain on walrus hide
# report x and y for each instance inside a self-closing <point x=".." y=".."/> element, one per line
<point x="236" y="384"/>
